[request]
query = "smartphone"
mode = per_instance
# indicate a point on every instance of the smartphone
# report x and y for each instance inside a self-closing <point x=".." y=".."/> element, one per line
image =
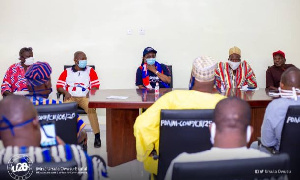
<point x="48" y="134"/>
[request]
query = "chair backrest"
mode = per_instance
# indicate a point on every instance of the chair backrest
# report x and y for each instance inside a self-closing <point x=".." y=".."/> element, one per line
<point x="255" y="168"/>
<point x="182" y="131"/>
<point x="171" y="73"/>
<point x="65" y="117"/>
<point x="68" y="66"/>
<point x="290" y="139"/>
<point x="48" y="171"/>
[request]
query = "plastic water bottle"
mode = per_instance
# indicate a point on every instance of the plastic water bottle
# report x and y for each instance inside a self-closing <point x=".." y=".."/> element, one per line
<point x="156" y="90"/>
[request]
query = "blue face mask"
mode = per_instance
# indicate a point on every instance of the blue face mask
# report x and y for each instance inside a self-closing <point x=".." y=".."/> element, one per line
<point x="10" y="126"/>
<point x="150" y="61"/>
<point x="82" y="63"/>
<point x="192" y="82"/>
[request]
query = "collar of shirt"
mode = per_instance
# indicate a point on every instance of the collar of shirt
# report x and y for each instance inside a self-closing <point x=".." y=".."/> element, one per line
<point x="222" y="149"/>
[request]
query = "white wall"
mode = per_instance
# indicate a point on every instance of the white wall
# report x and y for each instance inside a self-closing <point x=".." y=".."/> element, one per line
<point x="180" y="30"/>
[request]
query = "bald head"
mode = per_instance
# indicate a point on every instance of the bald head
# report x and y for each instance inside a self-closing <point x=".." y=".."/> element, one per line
<point x="290" y="78"/>
<point x="232" y="114"/>
<point x="79" y="55"/>
<point x="19" y="109"/>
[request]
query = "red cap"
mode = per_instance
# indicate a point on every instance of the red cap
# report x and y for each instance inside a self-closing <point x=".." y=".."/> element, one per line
<point x="279" y="53"/>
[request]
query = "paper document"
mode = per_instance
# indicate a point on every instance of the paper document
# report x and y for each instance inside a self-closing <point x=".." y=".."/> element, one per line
<point x="116" y="97"/>
<point x="21" y="93"/>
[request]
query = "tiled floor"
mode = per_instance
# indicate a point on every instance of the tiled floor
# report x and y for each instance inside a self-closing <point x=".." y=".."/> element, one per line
<point x="132" y="170"/>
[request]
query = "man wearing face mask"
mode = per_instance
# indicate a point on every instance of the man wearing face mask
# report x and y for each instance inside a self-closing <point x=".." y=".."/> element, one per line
<point x="234" y="73"/>
<point x="277" y="109"/>
<point x="75" y="83"/>
<point x="14" y="80"/>
<point x="230" y="133"/>
<point x="151" y="72"/>
<point x="274" y="72"/>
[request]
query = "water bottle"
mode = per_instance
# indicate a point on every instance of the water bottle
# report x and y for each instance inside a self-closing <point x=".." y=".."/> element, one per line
<point x="156" y="89"/>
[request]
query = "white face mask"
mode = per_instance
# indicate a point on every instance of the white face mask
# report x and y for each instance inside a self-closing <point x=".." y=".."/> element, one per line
<point x="29" y="61"/>
<point x="290" y="94"/>
<point x="234" y="65"/>
<point x="213" y="133"/>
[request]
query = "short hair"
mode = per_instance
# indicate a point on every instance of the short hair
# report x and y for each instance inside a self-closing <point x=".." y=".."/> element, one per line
<point x="25" y="49"/>
<point x="17" y="108"/>
<point x="232" y="113"/>
<point x="77" y="53"/>
<point x="291" y="77"/>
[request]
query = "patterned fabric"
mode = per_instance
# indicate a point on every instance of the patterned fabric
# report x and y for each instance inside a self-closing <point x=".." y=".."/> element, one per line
<point x="14" y="79"/>
<point x="43" y="101"/>
<point x="38" y="73"/>
<point x="95" y="166"/>
<point x="78" y="83"/>
<point x="204" y="69"/>
<point x="244" y="76"/>
<point x="145" y="75"/>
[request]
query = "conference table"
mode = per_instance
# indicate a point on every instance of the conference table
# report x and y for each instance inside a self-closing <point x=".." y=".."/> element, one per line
<point x="124" y="105"/>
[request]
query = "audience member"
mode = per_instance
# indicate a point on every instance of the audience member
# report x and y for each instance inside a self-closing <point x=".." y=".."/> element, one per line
<point x="273" y="73"/>
<point x="14" y="79"/>
<point x="230" y="133"/>
<point x="277" y="109"/>
<point x="151" y="72"/>
<point x="234" y="73"/>
<point x="20" y="134"/>
<point x="39" y="86"/>
<point x="146" y="127"/>
<point x="75" y="83"/>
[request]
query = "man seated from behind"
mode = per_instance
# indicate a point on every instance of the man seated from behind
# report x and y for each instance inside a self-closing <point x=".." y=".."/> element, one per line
<point x="146" y="127"/>
<point x="20" y="133"/>
<point x="276" y="110"/>
<point x="39" y="85"/>
<point x="230" y="134"/>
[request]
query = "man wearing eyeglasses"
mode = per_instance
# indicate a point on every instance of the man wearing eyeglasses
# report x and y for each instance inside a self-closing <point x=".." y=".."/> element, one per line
<point x="234" y="73"/>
